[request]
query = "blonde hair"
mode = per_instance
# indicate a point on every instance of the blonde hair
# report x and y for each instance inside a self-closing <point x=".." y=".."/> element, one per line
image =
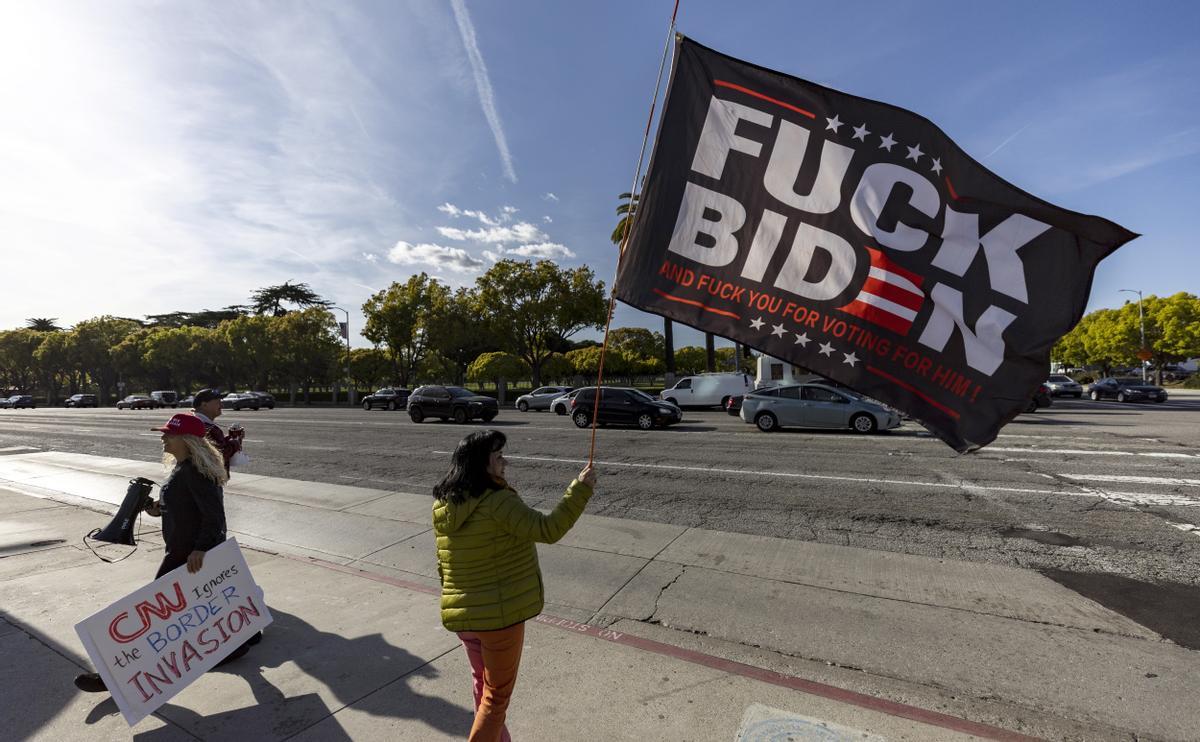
<point x="203" y="455"/>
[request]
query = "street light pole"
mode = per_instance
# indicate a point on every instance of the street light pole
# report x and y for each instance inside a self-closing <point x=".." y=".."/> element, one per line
<point x="1142" y="322"/>
<point x="350" y="390"/>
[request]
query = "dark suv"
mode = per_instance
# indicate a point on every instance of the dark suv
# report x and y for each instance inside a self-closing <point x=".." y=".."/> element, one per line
<point x="389" y="398"/>
<point x="82" y="400"/>
<point x="623" y="406"/>
<point x="450" y="402"/>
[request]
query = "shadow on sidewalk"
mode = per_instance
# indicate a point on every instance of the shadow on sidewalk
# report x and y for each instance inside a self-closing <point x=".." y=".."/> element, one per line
<point x="338" y="664"/>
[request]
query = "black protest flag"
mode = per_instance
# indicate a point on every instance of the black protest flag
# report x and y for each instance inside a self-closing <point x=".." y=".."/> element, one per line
<point x="854" y="238"/>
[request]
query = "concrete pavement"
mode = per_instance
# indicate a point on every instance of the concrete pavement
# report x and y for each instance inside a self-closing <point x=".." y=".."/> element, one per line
<point x="652" y="631"/>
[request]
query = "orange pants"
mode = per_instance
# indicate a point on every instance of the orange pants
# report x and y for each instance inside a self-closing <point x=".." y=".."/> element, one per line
<point x="495" y="657"/>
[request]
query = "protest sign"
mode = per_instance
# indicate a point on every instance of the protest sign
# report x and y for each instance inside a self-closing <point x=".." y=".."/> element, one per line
<point x="154" y="642"/>
<point x="856" y="239"/>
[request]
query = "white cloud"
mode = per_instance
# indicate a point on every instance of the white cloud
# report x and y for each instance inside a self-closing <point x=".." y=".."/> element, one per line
<point x="452" y="258"/>
<point x="483" y="84"/>
<point x="547" y="219"/>
<point x="370" y="257"/>
<point x="549" y="196"/>
<point x="454" y="211"/>
<point x="519" y="232"/>
<point x="549" y="250"/>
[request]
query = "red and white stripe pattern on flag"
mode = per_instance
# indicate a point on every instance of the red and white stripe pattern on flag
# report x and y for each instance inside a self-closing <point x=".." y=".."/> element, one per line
<point x="891" y="296"/>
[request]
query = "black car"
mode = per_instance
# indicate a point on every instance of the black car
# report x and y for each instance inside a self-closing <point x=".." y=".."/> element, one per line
<point x="264" y="399"/>
<point x="17" y="401"/>
<point x="82" y="400"/>
<point x="237" y="402"/>
<point x="1126" y="390"/>
<point x="733" y="405"/>
<point x="389" y="398"/>
<point x="448" y="402"/>
<point x="623" y="406"/>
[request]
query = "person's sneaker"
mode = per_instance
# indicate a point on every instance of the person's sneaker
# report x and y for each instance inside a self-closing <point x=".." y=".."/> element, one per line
<point x="90" y="682"/>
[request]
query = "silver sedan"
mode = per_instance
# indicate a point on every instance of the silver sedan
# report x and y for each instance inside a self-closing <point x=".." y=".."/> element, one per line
<point x="815" y="406"/>
<point x="540" y="398"/>
<point x="562" y="405"/>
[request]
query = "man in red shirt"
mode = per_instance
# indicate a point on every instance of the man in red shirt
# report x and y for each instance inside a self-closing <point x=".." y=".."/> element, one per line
<point x="207" y="407"/>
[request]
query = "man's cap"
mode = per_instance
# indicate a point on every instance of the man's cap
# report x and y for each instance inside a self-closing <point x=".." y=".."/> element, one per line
<point x="205" y="395"/>
<point x="183" y="424"/>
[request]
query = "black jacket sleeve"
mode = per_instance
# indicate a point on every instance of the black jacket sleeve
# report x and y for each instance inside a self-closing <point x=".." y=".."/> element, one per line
<point x="209" y="501"/>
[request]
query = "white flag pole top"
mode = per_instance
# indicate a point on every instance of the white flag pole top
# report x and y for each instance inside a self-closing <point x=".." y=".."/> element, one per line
<point x="154" y="642"/>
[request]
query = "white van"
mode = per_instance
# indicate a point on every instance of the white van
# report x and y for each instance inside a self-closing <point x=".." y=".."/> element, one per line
<point x="774" y="372"/>
<point x="708" y="390"/>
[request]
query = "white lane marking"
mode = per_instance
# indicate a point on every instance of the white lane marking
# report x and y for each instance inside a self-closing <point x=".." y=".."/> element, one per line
<point x="11" y="449"/>
<point x="1169" y="481"/>
<point x="1092" y="452"/>
<point x="1139" y="498"/>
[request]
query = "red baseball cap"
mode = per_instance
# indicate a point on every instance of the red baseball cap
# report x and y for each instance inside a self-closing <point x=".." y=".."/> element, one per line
<point x="183" y="424"/>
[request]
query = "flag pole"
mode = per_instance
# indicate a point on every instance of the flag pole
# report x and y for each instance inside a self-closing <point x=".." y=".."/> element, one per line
<point x="637" y="174"/>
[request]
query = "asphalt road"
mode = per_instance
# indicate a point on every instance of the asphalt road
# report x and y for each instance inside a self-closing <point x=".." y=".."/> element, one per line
<point x="1102" y="496"/>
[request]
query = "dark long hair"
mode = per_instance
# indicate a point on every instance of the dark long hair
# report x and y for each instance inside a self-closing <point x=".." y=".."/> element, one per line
<point x="468" y="475"/>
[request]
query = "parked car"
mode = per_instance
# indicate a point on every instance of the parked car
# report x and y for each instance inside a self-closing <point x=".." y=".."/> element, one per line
<point x="1064" y="386"/>
<point x="734" y="405"/>
<point x="540" y="398"/>
<point x="562" y="404"/>
<point x="815" y="406"/>
<point x="137" y="402"/>
<point x="1040" y="398"/>
<point x="237" y="401"/>
<point x="18" y="401"/>
<point x="82" y="400"/>
<point x="707" y="390"/>
<point x="389" y="398"/>
<point x="264" y="399"/>
<point x="1126" y="389"/>
<point x="165" y="398"/>
<point x="623" y="406"/>
<point x="188" y="402"/>
<point x="448" y="402"/>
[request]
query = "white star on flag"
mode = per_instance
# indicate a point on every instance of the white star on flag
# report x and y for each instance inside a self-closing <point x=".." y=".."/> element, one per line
<point x="914" y="153"/>
<point x="937" y="166"/>
<point x="826" y="349"/>
<point x="860" y="133"/>
<point x="757" y="323"/>
<point x="833" y="124"/>
<point x="886" y="142"/>
<point x="850" y="359"/>
<point x="778" y="331"/>
<point x="802" y="340"/>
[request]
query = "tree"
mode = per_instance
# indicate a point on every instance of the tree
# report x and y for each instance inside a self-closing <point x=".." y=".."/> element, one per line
<point x="249" y="349"/>
<point x="308" y="347"/>
<point x="96" y="339"/>
<point x="270" y="300"/>
<point x="499" y="368"/>
<point x="18" y="368"/>
<point x="398" y="318"/>
<point x="1172" y="328"/>
<point x="626" y="210"/>
<point x="534" y="307"/>
<point x="455" y="331"/>
<point x="370" y="368"/>
<point x="209" y="318"/>
<point x="55" y="359"/>
<point x="43" y="324"/>
<point x="637" y="341"/>
<point x="557" y="367"/>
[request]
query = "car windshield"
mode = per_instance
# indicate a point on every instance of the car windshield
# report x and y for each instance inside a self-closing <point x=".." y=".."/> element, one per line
<point x="642" y="395"/>
<point x="458" y="391"/>
<point x="1060" y="379"/>
<point x="1130" y="382"/>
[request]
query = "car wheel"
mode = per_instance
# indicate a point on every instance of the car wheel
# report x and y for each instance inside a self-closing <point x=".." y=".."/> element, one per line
<point x="1095" y="396"/>
<point x="488" y="417"/>
<point x="1077" y="395"/>
<point x="523" y="406"/>
<point x="366" y="405"/>
<point x="864" y="423"/>
<point x="581" y="419"/>
<point x="1032" y="406"/>
<point x="725" y="402"/>
<point x="391" y="405"/>
<point x="560" y="409"/>
<point x="415" y="414"/>
<point x="766" y="422"/>
<point x="461" y="416"/>
<point x="645" y="421"/>
<point x="1120" y="396"/>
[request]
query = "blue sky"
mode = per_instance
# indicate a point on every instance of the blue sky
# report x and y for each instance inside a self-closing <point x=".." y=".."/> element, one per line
<point x="176" y="156"/>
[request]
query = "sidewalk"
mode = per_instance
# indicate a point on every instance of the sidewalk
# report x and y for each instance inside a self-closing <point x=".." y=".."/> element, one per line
<point x="651" y="631"/>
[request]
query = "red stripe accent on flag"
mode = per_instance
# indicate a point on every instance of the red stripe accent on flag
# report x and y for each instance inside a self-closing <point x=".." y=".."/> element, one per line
<point x="878" y="316"/>
<point x="893" y="293"/>
<point x="748" y="91"/>
<point x="665" y="295"/>
<point x="950" y="185"/>
<point x="914" y="390"/>
<point x="879" y="260"/>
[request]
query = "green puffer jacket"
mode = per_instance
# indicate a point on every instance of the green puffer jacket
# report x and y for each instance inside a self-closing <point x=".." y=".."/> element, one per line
<point x="487" y="558"/>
